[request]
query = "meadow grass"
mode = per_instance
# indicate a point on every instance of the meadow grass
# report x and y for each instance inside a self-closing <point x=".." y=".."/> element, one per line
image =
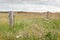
<point x="26" y="28"/>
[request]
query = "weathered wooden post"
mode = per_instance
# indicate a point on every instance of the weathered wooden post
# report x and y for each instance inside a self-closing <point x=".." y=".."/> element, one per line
<point x="11" y="18"/>
<point x="47" y="15"/>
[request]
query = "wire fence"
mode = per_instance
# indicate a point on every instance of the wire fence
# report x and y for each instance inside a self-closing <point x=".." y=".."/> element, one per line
<point x="11" y="17"/>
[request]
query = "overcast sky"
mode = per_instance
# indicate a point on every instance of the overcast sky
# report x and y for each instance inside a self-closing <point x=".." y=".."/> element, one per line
<point x="8" y="3"/>
<point x="44" y="2"/>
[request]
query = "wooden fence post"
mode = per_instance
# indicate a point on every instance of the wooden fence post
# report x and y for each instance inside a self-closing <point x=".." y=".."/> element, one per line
<point x="47" y="15"/>
<point x="11" y="18"/>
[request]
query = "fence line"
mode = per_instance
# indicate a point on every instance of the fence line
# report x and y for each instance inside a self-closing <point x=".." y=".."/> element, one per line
<point x="11" y="17"/>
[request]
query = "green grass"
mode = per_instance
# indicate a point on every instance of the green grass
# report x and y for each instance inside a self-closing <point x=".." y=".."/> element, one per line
<point x="31" y="29"/>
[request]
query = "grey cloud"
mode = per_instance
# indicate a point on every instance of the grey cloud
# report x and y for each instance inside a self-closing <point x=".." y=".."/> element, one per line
<point x="5" y="1"/>
<point x="44" y="2"/>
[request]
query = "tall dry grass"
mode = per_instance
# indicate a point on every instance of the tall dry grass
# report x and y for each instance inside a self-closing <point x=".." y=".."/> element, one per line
<point x="30" y="27"/>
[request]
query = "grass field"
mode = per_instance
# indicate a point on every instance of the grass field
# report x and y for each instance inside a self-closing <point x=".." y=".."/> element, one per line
<point x="30" y="26"/>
